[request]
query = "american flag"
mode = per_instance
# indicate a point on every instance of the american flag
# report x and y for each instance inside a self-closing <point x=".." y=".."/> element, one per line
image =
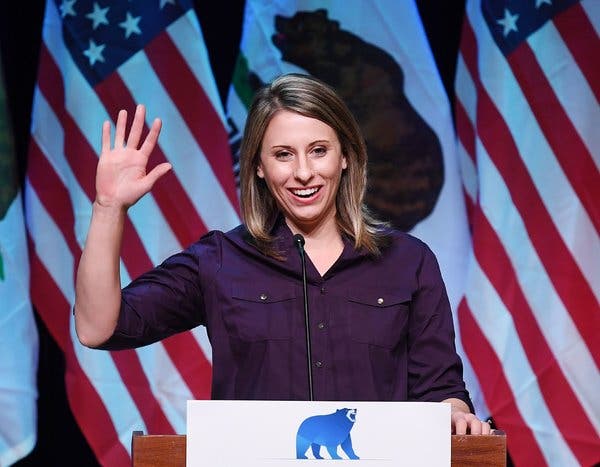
<point x="96" y="58"/>
<point x="528" y="119"/>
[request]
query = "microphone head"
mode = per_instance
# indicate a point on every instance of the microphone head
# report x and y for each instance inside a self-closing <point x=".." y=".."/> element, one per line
<point x="299" y="240"/>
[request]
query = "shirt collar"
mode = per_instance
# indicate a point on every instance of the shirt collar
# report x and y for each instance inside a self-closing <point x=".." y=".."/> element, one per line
<point x="284" y="241"/>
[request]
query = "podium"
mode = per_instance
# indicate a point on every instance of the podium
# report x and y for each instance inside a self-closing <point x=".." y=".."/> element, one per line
<point x="466" y="450"/>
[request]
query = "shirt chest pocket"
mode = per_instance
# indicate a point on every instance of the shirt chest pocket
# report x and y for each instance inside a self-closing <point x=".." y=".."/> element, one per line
<point x="259" y="313"/>
<point x="378" y="317"/>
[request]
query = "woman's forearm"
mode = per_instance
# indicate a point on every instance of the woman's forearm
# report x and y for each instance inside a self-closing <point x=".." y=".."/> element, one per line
<point x="98" y="282"/>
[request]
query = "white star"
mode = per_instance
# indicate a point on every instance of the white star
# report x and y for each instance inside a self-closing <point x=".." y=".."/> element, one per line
<point x="509" y="22"/>
<point x="66" y="8"/>
<point x="538" y="3"/>
<point x="94" y="52"/>
<point x="131" y="25"/>
<point x="164" y="2"/>
<point x="98" y="16"/>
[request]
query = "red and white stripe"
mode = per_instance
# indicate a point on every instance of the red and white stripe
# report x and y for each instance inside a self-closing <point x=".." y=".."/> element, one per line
<point x="530" y="149"/>
<point x="114" y="393"/>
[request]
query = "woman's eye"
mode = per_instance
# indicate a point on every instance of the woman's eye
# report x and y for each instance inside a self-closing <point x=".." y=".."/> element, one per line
<point x="283" y="155"/>
<point x="320" y="151"/>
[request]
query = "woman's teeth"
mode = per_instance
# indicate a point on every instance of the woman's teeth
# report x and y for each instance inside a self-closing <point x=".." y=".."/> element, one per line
<point x="305" y="193"/>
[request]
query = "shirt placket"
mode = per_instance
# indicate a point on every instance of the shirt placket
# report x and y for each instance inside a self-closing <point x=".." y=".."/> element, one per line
<point x="319" y="328"/>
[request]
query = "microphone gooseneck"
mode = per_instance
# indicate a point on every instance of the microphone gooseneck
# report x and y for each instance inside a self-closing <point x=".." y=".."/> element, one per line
<point x="299" y="242"/>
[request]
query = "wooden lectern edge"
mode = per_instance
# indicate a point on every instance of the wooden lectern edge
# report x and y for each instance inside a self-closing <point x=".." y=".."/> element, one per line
<point x="467" y="450"/>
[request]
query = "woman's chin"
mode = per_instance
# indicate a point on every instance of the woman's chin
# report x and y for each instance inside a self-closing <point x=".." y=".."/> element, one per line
<point x="308" y="221"/>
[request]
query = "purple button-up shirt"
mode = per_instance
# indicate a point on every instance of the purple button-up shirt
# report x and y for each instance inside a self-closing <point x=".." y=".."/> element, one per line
<point x="381" y="328"/>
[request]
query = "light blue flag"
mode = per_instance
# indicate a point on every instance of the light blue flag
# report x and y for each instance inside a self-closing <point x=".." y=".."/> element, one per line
<point x="18" y="333"/>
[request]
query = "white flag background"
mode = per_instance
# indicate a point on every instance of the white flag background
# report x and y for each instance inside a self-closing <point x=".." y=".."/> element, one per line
<point x="376" y="54"/>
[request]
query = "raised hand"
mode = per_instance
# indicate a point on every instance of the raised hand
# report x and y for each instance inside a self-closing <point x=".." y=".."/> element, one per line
<point x="121" y="180"/>
<point x="121" y="177"/>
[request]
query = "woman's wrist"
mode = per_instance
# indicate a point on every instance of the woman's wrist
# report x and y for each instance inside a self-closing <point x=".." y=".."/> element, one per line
<point x="107" y="211"/>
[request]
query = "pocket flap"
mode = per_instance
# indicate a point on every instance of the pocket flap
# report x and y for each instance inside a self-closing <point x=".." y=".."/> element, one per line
<point x="262" y="294"/>
<point x="379" y="298"/>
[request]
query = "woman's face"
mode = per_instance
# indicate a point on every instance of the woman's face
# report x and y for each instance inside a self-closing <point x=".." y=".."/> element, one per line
<point x="301" y="162"/>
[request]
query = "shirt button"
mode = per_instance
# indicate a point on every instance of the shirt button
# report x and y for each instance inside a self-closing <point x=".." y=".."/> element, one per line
<point x="323" y="290"/>
<point x="380" y="301"/>
<point x="318" y="363"/>
<point x="263" y="296"/>
<point x="321" y="325"/>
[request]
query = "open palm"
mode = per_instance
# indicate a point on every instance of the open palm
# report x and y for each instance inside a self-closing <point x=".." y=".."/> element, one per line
<point x="121" y="177"/>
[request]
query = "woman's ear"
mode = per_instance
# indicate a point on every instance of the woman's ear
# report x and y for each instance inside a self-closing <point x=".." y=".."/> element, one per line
<point x="344" y="163"/>
<point x="259" y="171"/>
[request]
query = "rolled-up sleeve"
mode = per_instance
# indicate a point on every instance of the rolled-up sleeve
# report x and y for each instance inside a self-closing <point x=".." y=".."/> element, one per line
<point x="434" y="367"/>
<point x="167" y="299"/>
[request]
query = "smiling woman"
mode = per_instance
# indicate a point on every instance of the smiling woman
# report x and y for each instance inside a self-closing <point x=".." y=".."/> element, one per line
<point x="20" y="31"/>
<point x="380" y="319"/>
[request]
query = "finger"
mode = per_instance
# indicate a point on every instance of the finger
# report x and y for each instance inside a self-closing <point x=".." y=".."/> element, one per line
<point x="152" y="137"/>
<point x="460" y="425"/>
<point x="475" y="426"/>
<point x="486" y="428"/>
<point x="136" y="127"/>
<point x="120" y="129"/>
<point x="106" y="136"/>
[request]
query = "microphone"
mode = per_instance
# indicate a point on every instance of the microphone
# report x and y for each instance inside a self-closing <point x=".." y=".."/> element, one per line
<point x="299" y="242"/>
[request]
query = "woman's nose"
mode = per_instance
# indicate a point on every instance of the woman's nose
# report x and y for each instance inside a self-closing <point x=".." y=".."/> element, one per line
<point x="303" y="170"/>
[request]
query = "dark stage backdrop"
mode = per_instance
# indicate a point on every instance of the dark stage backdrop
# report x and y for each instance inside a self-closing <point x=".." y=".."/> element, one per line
<point x="59" y="439"/>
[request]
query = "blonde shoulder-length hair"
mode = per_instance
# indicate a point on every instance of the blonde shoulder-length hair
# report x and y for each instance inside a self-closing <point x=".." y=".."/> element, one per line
<point x="312" y="98"/>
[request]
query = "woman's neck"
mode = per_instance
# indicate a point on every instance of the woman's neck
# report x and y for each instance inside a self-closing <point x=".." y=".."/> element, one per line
<point x="320" y="233"/>
<point x="323" y="244"/>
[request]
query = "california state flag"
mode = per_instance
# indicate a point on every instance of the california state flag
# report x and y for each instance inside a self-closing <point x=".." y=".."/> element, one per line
<point x="376" y="54"/>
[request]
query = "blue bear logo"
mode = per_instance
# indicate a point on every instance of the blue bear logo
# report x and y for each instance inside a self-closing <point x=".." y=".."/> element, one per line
<point x="331" y="430"/>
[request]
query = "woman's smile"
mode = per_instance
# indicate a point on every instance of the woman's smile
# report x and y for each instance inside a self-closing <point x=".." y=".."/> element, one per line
<point x="306" y="192"/>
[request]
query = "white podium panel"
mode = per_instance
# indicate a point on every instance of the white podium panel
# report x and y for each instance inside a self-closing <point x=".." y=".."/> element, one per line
<point x="276" y="433"/>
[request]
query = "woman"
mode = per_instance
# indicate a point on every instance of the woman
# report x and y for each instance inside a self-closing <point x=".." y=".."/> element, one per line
<point x="381" y="327"/>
